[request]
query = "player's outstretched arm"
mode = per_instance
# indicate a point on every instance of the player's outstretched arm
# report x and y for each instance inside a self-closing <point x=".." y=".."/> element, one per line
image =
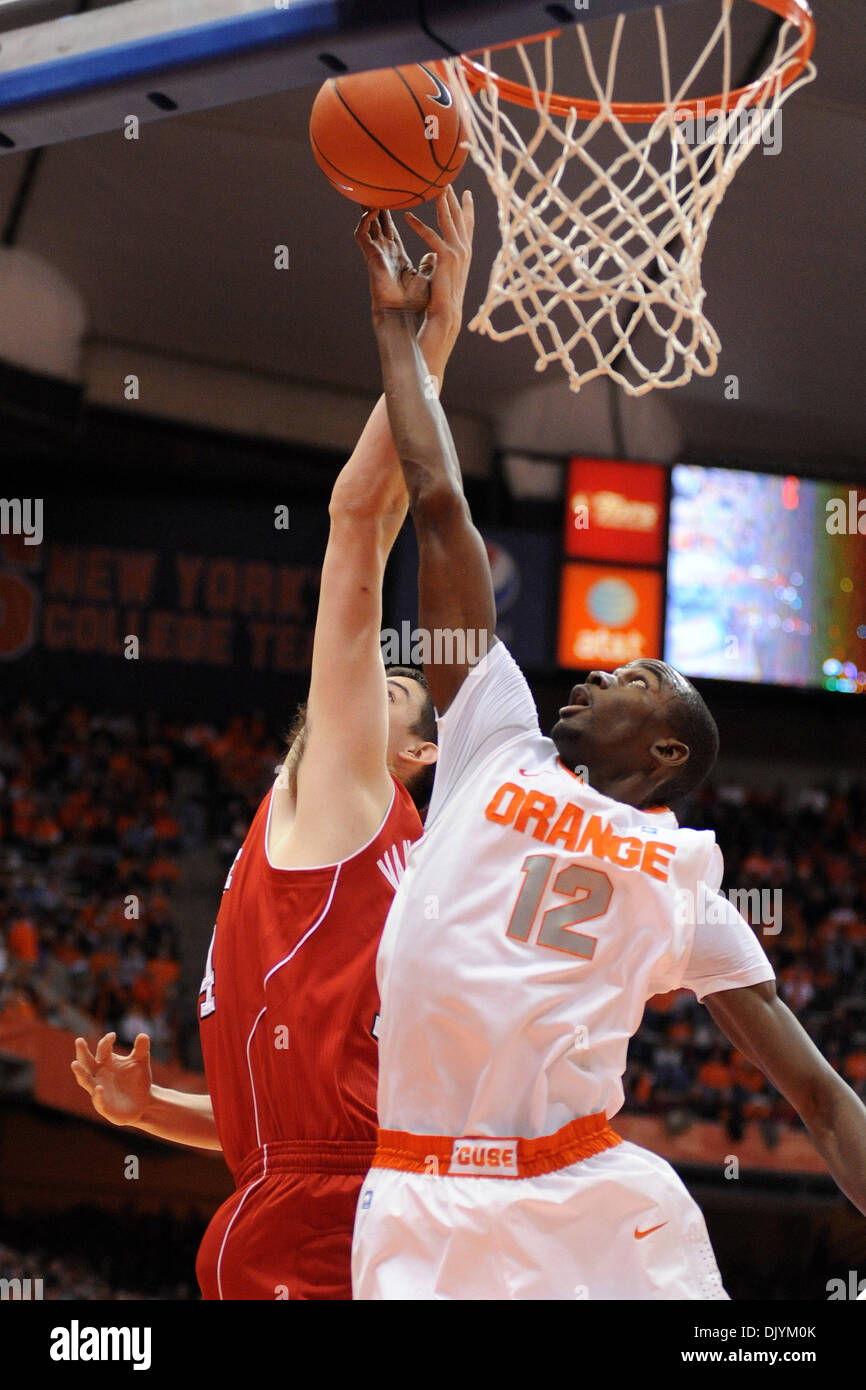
<point x="122" y="1091"/>
<point x="455" y="588"/>
<point x="371" y="483"/>
<point x="757" y="1022"/>
<point x="344" y="761"/>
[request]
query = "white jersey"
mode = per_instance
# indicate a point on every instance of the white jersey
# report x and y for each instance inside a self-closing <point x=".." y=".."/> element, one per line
<point x="535" y="918"/>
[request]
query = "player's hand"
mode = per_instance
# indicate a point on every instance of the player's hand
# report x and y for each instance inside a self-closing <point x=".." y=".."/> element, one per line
<point x="451" y="250"/>
<point x="118" y="1086"/>
<point x="396" y="285"/>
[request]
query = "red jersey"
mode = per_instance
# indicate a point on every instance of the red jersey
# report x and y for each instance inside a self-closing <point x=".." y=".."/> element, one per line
<point x="289" y="1000"/>
<point x="287" y="1013"/>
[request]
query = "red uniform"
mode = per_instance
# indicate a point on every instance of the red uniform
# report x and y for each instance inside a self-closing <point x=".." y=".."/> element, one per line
<point x="287" y="1014"/>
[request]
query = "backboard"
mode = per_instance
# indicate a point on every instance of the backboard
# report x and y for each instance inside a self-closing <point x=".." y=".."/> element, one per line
<point x="67" y="75"/>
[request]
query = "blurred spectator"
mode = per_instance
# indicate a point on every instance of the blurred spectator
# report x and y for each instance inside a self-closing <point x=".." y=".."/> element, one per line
<point x="87" y="827"/>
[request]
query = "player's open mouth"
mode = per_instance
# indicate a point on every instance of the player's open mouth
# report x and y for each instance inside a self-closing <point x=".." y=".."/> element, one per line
<point x="579" y="700"/>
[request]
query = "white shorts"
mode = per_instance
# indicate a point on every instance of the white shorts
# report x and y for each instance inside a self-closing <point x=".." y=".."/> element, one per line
<point x="618" y="1225"/>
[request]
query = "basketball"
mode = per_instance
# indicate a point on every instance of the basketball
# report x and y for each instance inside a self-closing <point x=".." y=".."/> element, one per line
<point x="388" y="139"/>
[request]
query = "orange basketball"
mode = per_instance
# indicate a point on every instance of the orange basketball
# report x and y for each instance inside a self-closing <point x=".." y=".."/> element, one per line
<point x="388" y="139"/>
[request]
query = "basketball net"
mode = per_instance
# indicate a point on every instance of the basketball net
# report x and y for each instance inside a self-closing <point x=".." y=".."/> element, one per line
<point x="585" y="277"/>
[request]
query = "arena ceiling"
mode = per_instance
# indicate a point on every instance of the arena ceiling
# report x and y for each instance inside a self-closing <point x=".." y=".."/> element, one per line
<point x="171" y="241"/>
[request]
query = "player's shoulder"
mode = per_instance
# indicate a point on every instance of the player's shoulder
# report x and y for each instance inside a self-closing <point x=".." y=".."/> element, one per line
<point x="698" y="859"/>
<point x="649" y="820"/>
<point x="658" y="822"/>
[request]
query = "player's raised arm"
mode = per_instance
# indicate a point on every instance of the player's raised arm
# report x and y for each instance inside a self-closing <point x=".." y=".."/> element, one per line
<point x="757" y="1022"/>
<point x="455" y="588"/>
<point x="344" y="760"/>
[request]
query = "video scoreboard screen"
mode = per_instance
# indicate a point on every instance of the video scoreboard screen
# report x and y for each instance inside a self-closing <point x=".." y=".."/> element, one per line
<point x="728" y="574"/>
<point x="766" y="579"/>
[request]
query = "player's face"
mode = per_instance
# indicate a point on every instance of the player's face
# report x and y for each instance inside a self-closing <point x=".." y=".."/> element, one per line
<point x="411" y="759"/>
<point x="612" y="720"/>
<point x="405" y="700"/>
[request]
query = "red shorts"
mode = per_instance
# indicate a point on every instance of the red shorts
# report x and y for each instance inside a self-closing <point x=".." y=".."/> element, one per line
<point x="286" y="1232"/>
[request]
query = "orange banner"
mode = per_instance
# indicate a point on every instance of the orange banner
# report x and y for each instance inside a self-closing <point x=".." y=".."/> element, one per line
<point x="615" y="511"/>
<point x="608" y="616"/>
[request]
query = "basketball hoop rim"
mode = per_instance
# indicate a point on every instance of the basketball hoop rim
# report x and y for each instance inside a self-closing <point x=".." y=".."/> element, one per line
<point x="795" y="12"/>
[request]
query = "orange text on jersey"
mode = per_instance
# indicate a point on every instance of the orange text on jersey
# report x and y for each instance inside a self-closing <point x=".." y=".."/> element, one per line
<point x="537" y="814"/>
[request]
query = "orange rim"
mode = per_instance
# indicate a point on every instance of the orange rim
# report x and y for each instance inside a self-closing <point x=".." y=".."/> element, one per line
<point x="796" y="12"/>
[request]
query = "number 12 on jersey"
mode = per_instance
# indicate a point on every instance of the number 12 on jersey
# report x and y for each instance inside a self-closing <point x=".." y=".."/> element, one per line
<point x="556" y="926"/>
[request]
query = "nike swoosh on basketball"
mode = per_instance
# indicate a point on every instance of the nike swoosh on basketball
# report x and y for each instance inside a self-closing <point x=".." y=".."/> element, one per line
<point x="639" y="1235"/>
<point x="537" y="773"/>
<point x="443" y="95"/>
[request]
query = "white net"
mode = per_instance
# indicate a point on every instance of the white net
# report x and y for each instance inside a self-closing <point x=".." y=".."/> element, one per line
<point x="606" y="278"/>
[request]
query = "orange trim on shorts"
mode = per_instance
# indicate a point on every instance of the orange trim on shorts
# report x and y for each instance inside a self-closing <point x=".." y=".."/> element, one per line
<point x="431" y="1153"/>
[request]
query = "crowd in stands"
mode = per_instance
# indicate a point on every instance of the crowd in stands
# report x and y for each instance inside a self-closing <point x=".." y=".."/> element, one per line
<point x="86" y="1254"/>
<point x="90" y="843"/>
<point x="92" y="827"/>
<point x="43" y="1275"/>
<point x="240" y="763"/>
